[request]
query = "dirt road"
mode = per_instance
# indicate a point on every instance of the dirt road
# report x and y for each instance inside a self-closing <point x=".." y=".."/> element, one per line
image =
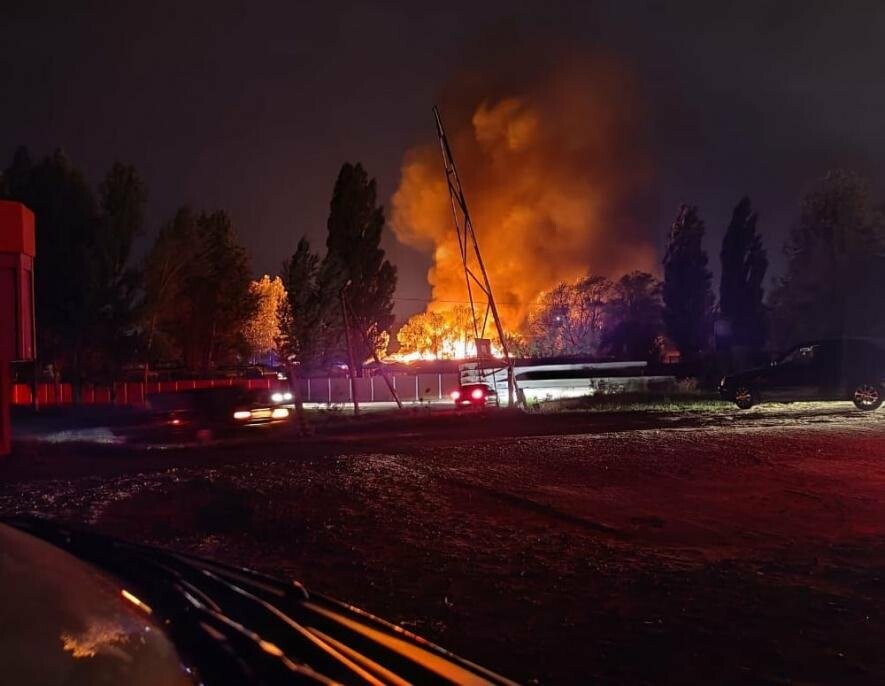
<point x="748" y="549"/>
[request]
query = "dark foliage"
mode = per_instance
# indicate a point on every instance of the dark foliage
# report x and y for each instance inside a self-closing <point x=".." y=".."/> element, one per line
<point x="688" y="298"/>
<point x="197" y="296"/>
<point x="303" y="313"/>
<point x="634" y="318"/>
<point x="835" y="274"/>
<point x="355" y="262"/>
<point x="84" y="282"/>
<point x="741" y="291"/>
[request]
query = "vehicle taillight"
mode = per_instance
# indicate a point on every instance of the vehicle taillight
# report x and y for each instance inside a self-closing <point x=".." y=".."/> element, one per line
<point x="455" y="395"/>
<point x="175" y="422"/>
<point x="477" y="394"/>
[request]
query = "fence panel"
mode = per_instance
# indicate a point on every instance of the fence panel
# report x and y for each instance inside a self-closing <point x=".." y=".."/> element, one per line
<point x="381" y="390"/>
<point x="409" y="387"/>
<point x="429" y="387"/>
<point x="362" y="385"/>
<point x="405" y="386"/>
<point x="340" y="389"/>
<point x="450" y="382"/>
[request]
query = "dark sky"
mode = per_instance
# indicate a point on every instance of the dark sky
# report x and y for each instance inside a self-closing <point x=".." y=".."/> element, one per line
<point x="254" y="106"/>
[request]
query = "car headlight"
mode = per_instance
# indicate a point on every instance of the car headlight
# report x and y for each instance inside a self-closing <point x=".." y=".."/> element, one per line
<point x="287" y="396"/>
<point x="276" y="397"/>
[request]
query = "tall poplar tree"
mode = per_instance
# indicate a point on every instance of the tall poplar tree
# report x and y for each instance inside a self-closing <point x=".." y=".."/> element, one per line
<point x="741" y="291"/>
<point x="355" y="263"/>
<point x="688" y="298"/>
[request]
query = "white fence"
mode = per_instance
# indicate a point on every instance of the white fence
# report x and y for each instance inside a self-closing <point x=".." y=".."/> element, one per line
<point x="409" y="387"/>
<point x="538" y="383"/>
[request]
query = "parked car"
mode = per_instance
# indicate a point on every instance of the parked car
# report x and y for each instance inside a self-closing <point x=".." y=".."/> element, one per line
<point x="88" y="609"/>
<point x="836" y="369"/>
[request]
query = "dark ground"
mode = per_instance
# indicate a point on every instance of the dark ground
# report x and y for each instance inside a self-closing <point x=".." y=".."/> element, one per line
<point x="712" y="546"/>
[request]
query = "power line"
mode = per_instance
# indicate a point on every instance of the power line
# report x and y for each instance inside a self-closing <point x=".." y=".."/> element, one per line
<point x="453" y="302"/>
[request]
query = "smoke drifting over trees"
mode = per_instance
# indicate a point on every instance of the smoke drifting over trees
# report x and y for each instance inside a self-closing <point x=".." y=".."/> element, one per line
<point x="553" y="173"/>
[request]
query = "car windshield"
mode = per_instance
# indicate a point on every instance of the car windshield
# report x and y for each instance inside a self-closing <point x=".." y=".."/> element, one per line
<point x="548" y="332"/>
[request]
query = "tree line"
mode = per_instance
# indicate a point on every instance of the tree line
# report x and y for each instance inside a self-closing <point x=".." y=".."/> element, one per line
<point x="832" y="287"/>
<point x="191" y="298"/>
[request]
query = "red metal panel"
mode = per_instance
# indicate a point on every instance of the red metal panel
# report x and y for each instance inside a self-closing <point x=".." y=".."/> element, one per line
<point x="17" y="233"/>
<point x="8" y="310"/>
<point x="21" y="394"/>
<point x="16" y="281"/>
<point x="5" y="424"/>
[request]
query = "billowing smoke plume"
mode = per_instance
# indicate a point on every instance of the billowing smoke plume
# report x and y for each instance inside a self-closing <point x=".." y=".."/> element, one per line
<point x="554" y="177"/>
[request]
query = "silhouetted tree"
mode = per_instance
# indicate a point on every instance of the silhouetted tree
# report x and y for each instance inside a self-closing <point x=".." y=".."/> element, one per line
<point x="16" y="178"/>
<point x="84" y="281"/>
<point x="634" y="322"/>
<point x="223" y="299"/>
<point x="67" y="220"/>
<point x="688" y="298"/>
<point x="835" y="273"/>
<point x="165" y="271"/>
<point x="302" y="314"/>
<point x="569" y="318"/>
<point x="355" y="260"/>
<point x="197" y="290"/>
<point x="744" y="263"/>
<point x="122" y="199"/>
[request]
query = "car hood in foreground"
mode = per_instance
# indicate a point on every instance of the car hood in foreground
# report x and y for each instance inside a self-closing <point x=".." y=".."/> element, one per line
<point x="234" y="626"/>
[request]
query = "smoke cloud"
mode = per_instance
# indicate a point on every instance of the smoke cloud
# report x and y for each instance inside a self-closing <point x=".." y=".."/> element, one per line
<point x="555" y="177"/>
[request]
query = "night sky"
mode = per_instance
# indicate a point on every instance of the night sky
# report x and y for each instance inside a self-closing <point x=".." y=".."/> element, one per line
<point x="253" y="107"/>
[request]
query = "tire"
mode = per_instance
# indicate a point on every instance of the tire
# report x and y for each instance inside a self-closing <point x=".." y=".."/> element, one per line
<point x="867" y="397"/>
<point x="744" y="397"/>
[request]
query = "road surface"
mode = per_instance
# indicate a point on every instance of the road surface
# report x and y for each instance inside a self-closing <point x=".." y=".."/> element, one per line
<point x="724" y="547"/>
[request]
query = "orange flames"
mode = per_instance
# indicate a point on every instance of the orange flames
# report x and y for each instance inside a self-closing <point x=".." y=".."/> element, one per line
<point x="442" y="334"/>
<point x="553" y="175"/>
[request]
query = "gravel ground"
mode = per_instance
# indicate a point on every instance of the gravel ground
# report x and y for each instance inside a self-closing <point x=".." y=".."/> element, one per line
<point x="732" y="548"/>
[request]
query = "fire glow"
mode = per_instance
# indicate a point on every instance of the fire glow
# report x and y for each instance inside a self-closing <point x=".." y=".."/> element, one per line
<point x="445" y="334"/>
<point x="551" y="174"/>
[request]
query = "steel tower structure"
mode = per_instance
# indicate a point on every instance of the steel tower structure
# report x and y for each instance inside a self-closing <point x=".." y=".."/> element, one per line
<point x="469" y="247"/>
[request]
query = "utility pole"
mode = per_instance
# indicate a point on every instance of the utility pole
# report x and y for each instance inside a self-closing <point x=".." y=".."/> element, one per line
<point x="469" y="246"/>
<point x="295" y="386"/>
<point x="375" y="357"/>
<point x="351" y="367"/>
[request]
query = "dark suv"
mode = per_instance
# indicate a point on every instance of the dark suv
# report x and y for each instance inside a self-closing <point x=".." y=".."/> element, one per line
<point x="839" y="369"/>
